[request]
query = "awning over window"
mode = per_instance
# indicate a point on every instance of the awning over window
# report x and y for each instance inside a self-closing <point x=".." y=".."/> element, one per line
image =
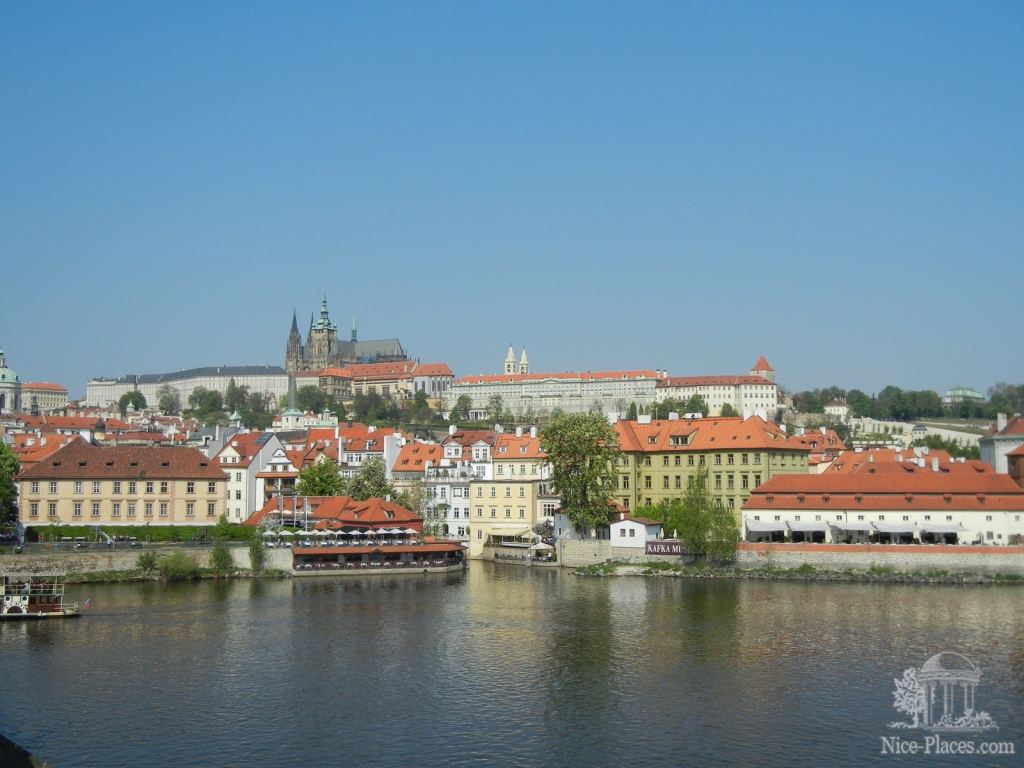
<point x="808" y="527"/>
<point x="758" y="526"/>
<point x="943" y="528"/>
<point x="895" y="527"/>
<point x="851" y="526"/>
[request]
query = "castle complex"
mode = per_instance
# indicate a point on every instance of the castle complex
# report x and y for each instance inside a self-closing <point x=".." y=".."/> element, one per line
<point x="323" y="349"/>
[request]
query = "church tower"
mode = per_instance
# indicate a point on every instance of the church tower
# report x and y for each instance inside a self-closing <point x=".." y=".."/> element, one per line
<point x="293" y="352"/>
<point x="321" y="342"/>
<point x="510" y="362"/>
<point x="524" y="363"/>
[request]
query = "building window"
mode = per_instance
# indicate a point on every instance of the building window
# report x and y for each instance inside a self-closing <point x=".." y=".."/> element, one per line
<point x="625" y="483"/>
<point x="744" y="481"/>
<point x="664" y="461"/>
<point x="163" y="486"/>
<point x="51" y="509"/>
<point x="211" y="487"/>
<point x="647" y="481"/>
<point x="622" y="533"/>
<point x="730" y="482"/>
<point x="95" y="509"/>
<point x="132" y="487"/>
<point x="494" y="491"/>
<point x="117" y="486"/>
<point x="718" y="482"/>
<point x="479" y="534"/>
<point x="150" y="486"/>
<point x="508" y="513"/>
<point x="33" y="509"/>
<point x="115" y="509"/>
<point x="522" y="492"/>
<point x="95" y="486"/>
<point x="718" y="458"/>
<point x="479" y="511"/>
<point x="664" y="482"/>
<point x="494" y="512"/>
<point x="679" y="481"/>
<point x="163" y="509"/>
<point x="238" y="495"/>
<point x="77" y="509"/>
<point x="730" y="459"/>
<point x="131" y="509"/>
<point x="211" y="509"/>
<point x="190" y="486"/>
<point x="78" y="486"/>
<point x="647" y="461"/>
<point x="479" y="491"/>
<point x="148" y="510"/>
<point x="501" y="469"/>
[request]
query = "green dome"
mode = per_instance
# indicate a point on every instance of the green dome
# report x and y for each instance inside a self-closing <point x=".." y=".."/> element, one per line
<point x="6" y="374"/>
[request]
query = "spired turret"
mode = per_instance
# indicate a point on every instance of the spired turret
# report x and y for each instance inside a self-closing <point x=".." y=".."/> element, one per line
<point x="524" y="363"/>
<point x="510" y="362"/>
<point x="293" y="352"/>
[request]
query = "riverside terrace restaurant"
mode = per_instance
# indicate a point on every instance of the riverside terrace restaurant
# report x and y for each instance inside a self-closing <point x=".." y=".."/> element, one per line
<point x="341" y="534"/>
<point x="965" y="505"/>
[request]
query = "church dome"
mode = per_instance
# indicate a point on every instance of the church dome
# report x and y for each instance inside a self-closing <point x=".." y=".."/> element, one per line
<point x="8" y="376"/>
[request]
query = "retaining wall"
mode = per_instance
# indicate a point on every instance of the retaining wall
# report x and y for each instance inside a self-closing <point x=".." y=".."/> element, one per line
<point x="98" y="558"/>
<point x="955" y="558"/>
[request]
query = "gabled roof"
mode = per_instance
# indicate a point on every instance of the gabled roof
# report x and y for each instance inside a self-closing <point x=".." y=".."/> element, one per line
<point x="82" y="460"/>
<point x="1014" y="426"/>
<point x="724" y="433"/>
<point x="924" y="490"/>
<point x="413" y="456"/>
<point x="762" y="365"/>
<point x="43" y="385"/>
<point x="508" y="447"/>
<point x="339" y="511"/>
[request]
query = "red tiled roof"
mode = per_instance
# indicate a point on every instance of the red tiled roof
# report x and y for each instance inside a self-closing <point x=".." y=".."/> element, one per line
<point x="1018" y="451"/>
<point x="43" y="385"/>
<point x="413" y="456"/>
<point x="919" y="490"/>
<point x="762" y="365"/>
<point x="508" y="378"/>
<point x="724" y="433"/>
<point x="338" y="511"/>
<point x="710" y="381"/>
<point x="432" y="369"/>
<point x="82" y="460"/>
<point x="425" y="549"/>
<point x="508" y="447"/>
<point x="1014" y="426"/>
<point x="888" y="460"/>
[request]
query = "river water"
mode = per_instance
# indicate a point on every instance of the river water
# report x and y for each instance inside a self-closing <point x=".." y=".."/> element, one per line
<point x="497" y="666"/>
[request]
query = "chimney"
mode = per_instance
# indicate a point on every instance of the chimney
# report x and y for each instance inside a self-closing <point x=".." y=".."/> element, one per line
<point x="899" y="458"/>
<point x="533" y="432"/>
<point x="519" y="431"/>
<point x="871" y="458"/>
<point x="935" y="464"/>
<point x="823" y="430"/>
<point x="622" y="515"/>
<point x="371" y="429"/>
<point x="673" y="416"/>
<point x="452" y="429"/>
<point x="1000" y="422"/>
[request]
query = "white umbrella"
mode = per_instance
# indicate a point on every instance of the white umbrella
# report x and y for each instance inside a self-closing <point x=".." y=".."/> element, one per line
<point x="341" y="533"/>
<point x="541" y="545"/>
<point x="321" y="533"/>
<point x="286" y="533"/>
<point x="409" y="531"/>
<point x="268" y="534"/>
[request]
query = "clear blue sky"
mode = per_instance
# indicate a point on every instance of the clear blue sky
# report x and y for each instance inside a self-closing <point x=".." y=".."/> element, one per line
<point x="837" y="186"/>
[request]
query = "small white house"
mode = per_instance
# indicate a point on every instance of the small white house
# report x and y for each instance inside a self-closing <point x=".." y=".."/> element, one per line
<point x="630" y="531"/>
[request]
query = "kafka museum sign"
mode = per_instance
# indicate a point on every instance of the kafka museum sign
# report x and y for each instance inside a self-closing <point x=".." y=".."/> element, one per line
<point x="663" y="547"/>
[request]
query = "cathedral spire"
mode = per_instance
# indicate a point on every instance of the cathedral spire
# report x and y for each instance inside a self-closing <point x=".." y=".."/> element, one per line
<point x="354" y="337"/>
<point x="295" y="322"/>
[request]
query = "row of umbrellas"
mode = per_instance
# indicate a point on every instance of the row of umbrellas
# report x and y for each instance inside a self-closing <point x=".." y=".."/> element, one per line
<point x="368" y="532"/>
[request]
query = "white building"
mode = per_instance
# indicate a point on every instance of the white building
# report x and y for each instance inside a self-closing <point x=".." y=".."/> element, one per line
<point x="629" y="531"/>
<point x="1009" y="435"/>
<point x="268" y="380"/>
<point x="242" y="458"/>
<point x="527" y="394"/>
<point x="754" y="393"/>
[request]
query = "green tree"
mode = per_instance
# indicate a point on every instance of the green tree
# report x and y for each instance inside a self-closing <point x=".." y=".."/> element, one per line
<point x="860" y="404"/>
<point x="728" y="410"/>
<point x="255" y="413"/>
<point x="9" y="469"/>
<point x="370" y="482"/>
<point x="205" y="401"/>
<point x="235" y="396"/>
<point x="257" y="555"/>
<point x="320" y="478"/>
<point x="222" y="530"/>
<point x="952" y="447"/>
<point x="312" y="398"/>
<point x="696" y="404"/>
<point x="706" y="528"/>
<point x="134" y="398"/>
<point x="632" y="414"/>
<point x="220" y="557"/>
<point x="495" y="405"/>
<point x="582" y="450"/>
<point x="168" y="400"/>
<point x="461" y="410"/>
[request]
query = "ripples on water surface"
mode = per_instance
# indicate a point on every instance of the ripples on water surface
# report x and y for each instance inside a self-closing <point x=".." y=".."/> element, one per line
<point x="502" y="666"/>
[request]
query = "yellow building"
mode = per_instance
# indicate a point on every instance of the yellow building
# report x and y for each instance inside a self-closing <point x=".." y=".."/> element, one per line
<point x="658" y="458"/>
<point x="85" y="484"/>
<point x="507" y="501"/>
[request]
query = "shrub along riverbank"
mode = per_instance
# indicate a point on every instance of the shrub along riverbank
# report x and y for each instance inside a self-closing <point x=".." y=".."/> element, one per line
<point x="173" y="566"/>
<point x="876" y="574"/>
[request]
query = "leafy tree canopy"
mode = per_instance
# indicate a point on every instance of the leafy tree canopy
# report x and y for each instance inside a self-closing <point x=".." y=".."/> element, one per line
<point x="706" y="528"/>
<point x="312" y="398"/>
<point x="582" y="450"/>
<point x="9" y="468"/>
<point x="168" y="400"/>
<point x="320" y="478"/>
<point x="134" y="398"/>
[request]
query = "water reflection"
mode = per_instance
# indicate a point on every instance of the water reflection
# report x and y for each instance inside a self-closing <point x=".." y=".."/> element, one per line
<point x="501" y="665"/>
